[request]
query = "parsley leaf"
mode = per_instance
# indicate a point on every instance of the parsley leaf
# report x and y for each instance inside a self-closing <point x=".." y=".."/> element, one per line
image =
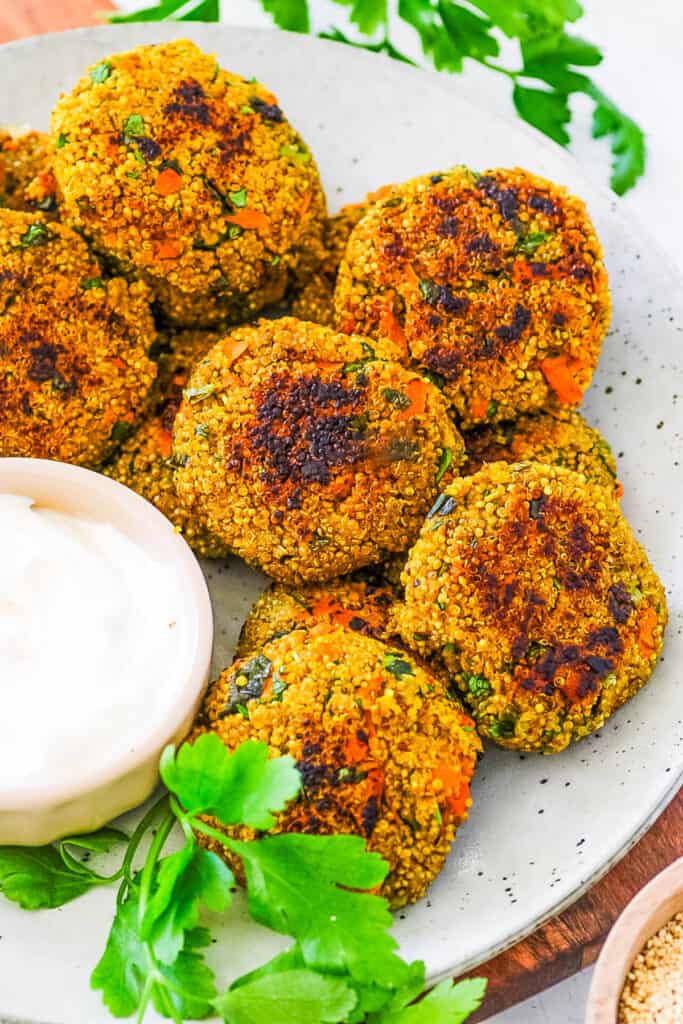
<point x="293" y="887"/>
<point x="547" y="111"/>
<point x="628" y="142"/>
<point x="128" y="977"/>
<point x="366" y="15"/>
<point x="289" y="14"/>
<point x="303" y="996"/>
<point x="37" y="879"/>
<point x="185" y="880"/>
<point x="448" y="1003"/>
<point x="468" y="32"/>
<point x="101" y="72"/>
<point x="240" y="788"/>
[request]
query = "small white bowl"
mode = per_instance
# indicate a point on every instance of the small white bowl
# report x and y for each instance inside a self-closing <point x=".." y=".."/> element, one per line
<point x="53" y="809"/>
<point x="647" y="912"/>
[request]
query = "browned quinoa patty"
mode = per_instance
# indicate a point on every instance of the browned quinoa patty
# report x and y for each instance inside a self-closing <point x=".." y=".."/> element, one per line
<point x="145" y="461"/>
<point x="75" y="373"/>
<point x="311" y="453"/>
<point x="26" y="180"/>
<point x="383" y="751"/>
<point x="556" y="439"/>
<point x="361" y="605"/>
<point x="531" y="585"/>
<point x="495" y="281"/>
<point x="190" y="177"/>
<point x="315" y="301"/>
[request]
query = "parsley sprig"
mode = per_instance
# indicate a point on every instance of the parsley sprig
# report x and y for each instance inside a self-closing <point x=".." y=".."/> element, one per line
<point x="550" y="65"/>
<point x="343" y="964"/>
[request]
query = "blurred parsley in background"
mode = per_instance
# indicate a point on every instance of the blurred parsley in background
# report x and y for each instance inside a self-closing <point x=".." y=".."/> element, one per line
<point x="551" y="63"/>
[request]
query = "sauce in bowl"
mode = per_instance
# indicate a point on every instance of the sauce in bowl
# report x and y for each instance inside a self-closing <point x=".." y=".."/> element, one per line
<point x="92" y="634"/>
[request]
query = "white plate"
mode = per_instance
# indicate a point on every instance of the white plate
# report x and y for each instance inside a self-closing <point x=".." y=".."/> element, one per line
<point x="542" y="829"/>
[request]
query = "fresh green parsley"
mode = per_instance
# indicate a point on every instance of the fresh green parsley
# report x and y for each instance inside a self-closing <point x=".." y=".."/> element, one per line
<point x="238" y="198"/>
<point x="35" y="234"/>
<point x="342" y="965"/>
<point x="101" y="72"/>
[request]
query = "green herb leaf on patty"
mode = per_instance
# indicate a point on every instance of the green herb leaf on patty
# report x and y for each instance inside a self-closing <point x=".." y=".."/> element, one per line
<point x="396" y="398"/>
<point x="238" y="198"/>
<point x="443" y="506"/>
<point x="298" y="153"/>
<point x="62" y="140"/>
<point x="121" y="431"/>
<point x="88" y="283"/>
<point x="479" y="686"/>
<point x="35" y="234"/>
<point x="134" y="127"/>
<point x="397" y="664"/>
<point x="528" y="244"/>
<point x="101" y="72"/>
<point x="444" y="464"/>
<point x="199" y="393"/>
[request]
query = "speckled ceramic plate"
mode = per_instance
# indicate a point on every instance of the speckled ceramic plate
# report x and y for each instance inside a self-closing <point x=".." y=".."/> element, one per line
<point x="542" y="829"/>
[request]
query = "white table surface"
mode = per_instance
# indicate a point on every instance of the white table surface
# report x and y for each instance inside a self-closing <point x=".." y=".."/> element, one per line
<point x="643" y="73"/>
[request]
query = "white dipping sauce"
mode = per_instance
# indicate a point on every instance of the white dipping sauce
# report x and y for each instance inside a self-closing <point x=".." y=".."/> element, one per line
<point x="91" y="634"/>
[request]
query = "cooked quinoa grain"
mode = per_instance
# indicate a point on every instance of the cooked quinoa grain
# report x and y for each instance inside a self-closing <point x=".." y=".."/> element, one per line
<point x="556" y="439"/>
<point x="384" y="753"/>
<point x="75" y="374"/>
<point x="530" y="584"/>
<point x="145" y="462"/>
<point x="494" y="281"/>
<point x="316" y="454"/>
<point x="653" y="992"/>
<point x="190" y="177"/>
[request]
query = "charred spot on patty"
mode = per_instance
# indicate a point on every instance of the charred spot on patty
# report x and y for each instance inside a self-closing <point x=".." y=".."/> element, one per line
<point x="445" y="361"/>
<point x="189" y="102"/>
<point x="268" y="111"/>
<point x="619" y="602"/>
<point x="521" y="318"/>
<point x="506" y="199"/>
<point x="305" y="428"/>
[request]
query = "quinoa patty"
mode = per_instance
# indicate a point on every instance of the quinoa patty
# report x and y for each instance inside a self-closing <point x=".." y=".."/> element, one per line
<point x="384" y="753"/>
<point x="310" y="453"/>
<point x="556" y="439"/>
<point x="360" y="604"/>
<point x="531" y="585"/>
<point x="495" y="281"/>
<point x="145" y="462"/>
<point x="26" y="181"/>
<point x="190" y="177"/>
<point x="75" y="373"/>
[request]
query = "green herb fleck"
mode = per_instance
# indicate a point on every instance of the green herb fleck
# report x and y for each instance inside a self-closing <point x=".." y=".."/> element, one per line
<point x="238" y="198"/>
<point x="202" y="430"/>
<point x="530" y="243"/>
<point x="503" y="728"/>
<point x="200" y="393"/>
<point x="444" y="464"/>
<point x="443" y="506"/>
<point x="491" y="409"/>
<point x="91" y="282"/>
<point x="243" y="710"/>
<point x="479" y="686"/>
<point x="62" y="140"/>
<point x="36" y="234"/>
<point x="101" y="72"/>
<point x="397" y="664"/>
<point x="121" y="431"/>
<point x="133" y="127"/>
<point x="396" y="398"/>
<point x="429" y="291"/>
<point x="293" y="152"/>
<point x="246" y="109"/>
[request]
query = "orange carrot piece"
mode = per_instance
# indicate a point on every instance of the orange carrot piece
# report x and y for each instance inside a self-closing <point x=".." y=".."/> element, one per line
<point x="169" y="249"/>
<point x="646" y="631"/>
<point x="169" y="182"/>
<point x="559" y="371"/>
<point x="250" y="219"/>
<point x="391" y="328"/>
<point x="417" y="393"/>
<point x="478" y="408"/>
<point x="619" y="489"/>
<point x="164" y="442"/>
<point x="355" y="749"/>
<point x="381" y="193"/>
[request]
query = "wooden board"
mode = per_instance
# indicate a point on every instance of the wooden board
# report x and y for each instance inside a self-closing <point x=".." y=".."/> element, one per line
<point x="572" y="940"/>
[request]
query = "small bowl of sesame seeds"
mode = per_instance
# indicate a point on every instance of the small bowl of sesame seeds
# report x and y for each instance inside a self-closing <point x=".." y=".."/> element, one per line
<point x="638" y="978"/>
